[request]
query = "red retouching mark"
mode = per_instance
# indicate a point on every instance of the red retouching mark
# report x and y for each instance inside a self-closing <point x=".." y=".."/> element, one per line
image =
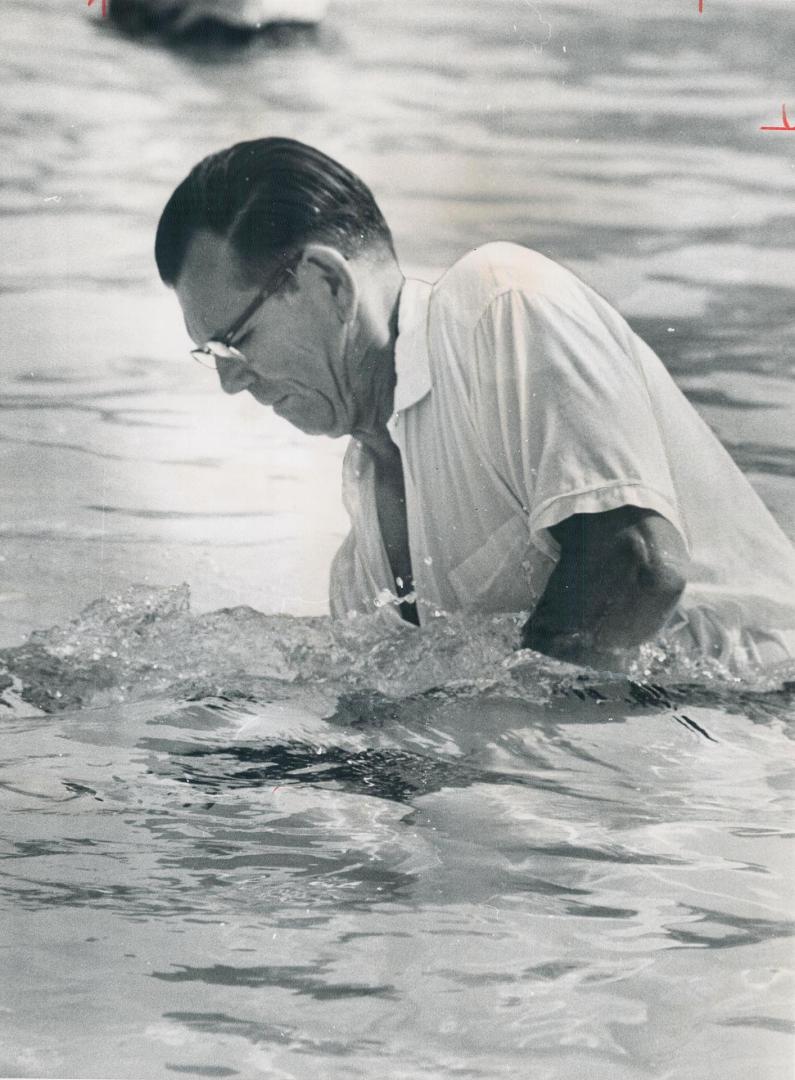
<point x="785" y="125"/>
<point x="104" y="6"/>
<point x="701" y="7"/>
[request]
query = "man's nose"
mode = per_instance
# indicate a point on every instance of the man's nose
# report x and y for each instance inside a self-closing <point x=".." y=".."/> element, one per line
<point x="234" y="375"/>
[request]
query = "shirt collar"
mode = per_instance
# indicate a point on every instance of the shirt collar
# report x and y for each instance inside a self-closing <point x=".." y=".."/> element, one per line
<point x="411" y="348"/>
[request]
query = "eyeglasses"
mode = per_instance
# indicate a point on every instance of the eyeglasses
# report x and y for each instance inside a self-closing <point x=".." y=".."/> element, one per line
<point x="221" y="347"/>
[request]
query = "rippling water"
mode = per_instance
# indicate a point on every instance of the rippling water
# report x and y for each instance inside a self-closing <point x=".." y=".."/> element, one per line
<point x="260" y="845"/>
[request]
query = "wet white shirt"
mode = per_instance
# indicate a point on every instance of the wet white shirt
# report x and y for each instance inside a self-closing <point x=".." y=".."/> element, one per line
<point x="522" y="398"/>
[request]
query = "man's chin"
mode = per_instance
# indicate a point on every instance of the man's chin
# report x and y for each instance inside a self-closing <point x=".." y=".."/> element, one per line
<point x="331" y="431"/>
<point x="310" y="422"/>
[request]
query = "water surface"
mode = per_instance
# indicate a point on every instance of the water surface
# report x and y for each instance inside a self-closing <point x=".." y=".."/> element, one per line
<point x="245" y="844"/>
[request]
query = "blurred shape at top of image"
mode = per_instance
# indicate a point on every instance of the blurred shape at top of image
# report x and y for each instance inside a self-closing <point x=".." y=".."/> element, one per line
<point x="227" y="18"/>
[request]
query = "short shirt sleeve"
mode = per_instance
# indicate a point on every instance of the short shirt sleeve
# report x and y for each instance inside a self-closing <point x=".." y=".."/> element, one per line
<point x="565" y="413"/>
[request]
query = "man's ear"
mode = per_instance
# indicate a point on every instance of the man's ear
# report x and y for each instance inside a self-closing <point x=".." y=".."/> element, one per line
<point x="333" y="271"/>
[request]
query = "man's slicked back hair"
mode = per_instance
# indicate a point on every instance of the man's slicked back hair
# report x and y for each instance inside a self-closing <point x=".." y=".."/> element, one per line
<point x="270" y="197"/>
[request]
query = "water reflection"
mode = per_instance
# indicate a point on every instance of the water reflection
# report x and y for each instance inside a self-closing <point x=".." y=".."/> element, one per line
<point x="297" y="979"/>
<point x="547" y="869"/>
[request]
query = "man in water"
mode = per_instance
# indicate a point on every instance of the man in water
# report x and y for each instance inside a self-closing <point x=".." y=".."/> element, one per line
<point x="515" y="446"/>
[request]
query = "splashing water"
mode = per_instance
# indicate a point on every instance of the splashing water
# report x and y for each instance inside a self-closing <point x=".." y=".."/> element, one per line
<point x="146" y="641"/>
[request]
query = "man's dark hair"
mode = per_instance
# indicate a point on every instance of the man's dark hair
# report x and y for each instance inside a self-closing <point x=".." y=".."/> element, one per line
<point x="270" y="197"/>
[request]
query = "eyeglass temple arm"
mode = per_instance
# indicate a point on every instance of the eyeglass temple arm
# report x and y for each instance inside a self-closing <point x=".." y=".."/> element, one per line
<point x="260" y="298"/>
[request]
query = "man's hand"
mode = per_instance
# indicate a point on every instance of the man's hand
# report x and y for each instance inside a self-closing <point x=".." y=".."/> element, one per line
<point x="619" y="576"/>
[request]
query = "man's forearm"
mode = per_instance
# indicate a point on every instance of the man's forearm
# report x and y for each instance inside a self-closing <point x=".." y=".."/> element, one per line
<point x="613" y="620"/>
<point x="605" y="595"/>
